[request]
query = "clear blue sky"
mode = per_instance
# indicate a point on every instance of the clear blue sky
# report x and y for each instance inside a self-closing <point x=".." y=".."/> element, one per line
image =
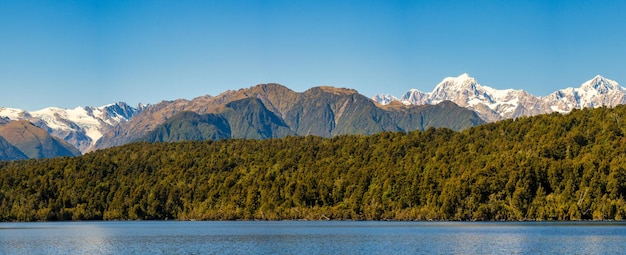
<point x="79" y="53"/>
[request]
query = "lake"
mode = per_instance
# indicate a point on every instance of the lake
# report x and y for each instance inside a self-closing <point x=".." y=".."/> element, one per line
<point x="312" y="237"/>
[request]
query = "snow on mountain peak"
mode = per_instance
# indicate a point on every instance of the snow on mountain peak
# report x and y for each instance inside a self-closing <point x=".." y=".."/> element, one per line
<point x="600" y="84"/>
<point x="493" y="104"/>
<point x="461" y="81"/>
<point x="462" y="87"/>
<point x="13" y="113"/>
<point x="384" y="98"/>
<point x="80" y="126"/>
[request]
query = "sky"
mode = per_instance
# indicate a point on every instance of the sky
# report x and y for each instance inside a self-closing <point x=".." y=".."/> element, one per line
<point x="92" y="53"/>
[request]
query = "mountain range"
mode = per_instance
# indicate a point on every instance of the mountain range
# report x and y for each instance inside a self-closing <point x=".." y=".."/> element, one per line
<point x="493" y="104"/>
<point x="259" y="112"/>
<point x="22" y="139"/>
<point x="274" y="111"/>
<point x="81" y="126"/>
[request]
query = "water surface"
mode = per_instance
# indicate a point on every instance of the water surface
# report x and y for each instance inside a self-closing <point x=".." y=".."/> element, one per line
<point x="312" y="237"/>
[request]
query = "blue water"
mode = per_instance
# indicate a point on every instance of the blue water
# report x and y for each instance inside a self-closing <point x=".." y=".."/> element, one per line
<point x="312" y="237"/>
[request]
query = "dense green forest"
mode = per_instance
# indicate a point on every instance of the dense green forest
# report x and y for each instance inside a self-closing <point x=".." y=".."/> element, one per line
<point x="547" y="167"/>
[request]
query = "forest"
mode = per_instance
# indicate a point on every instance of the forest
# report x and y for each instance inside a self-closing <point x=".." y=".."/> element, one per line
<point x="545" y="167"/>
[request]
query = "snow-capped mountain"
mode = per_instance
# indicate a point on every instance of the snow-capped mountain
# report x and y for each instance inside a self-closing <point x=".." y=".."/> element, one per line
<point x="81" y="126"/>
<point x="384" y="99"/>
<point x="596" y="92"/>
<point x="493" y="104"/>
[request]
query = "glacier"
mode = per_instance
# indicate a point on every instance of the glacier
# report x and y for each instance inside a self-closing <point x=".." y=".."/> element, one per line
<point x="81" y="126"/>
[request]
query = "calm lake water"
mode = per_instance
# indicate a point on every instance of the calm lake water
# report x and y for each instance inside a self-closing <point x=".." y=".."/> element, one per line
<point x="312" y="237"/>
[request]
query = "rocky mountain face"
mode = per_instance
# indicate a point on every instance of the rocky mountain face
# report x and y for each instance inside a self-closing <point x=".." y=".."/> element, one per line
<point x="259" y="112"/>
<point x="190" y="126"/>
<point x="274" y="111"/>
<point x="81" y="126"/>
<point x="596" y="92"/>
<point x="492" y="104"/>
<point x="9" y="152"/>
<point x="32" y="142"/>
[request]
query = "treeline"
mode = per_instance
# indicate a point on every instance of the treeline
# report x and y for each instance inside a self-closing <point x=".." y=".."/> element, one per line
<point x="548" y="167"/>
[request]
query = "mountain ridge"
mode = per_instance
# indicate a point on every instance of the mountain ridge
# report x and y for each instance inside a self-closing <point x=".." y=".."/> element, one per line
<point x="9" y="151"/>
<point x="33" y="141"/>
<point x="80" y="126"/>
<point x="497" y="104"/>
<point x="272" y="110"/>
<point x="275" y="111"/>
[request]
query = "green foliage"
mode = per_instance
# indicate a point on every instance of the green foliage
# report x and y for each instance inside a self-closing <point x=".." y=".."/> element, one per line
<point x="250" y="119"/>
<point x="547" y="167"/>
<point x="190" y="126"/>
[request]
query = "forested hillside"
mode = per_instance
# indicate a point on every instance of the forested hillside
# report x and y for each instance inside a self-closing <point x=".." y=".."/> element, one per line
<point x="547" y="167"/>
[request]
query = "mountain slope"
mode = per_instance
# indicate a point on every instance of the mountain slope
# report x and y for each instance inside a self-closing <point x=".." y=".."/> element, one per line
<point x="259" y="112"/>
<point x="327" y="112"/>
<point x="35" y="142"/>
<point x="250" y="119"/>
<point x="187" y="126"/>
<point x="492" y="104"/>
<point x="446" y="114"/>
<point x="81" y="126"/>
<point x="596" y="92"/>
<point x="273" y="111"/>
<point x="10" y="152"/>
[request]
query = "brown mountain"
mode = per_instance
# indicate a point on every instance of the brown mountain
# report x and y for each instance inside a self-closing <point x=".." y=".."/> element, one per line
<point x="35" y="142"/>
<point x="10" y="152"/>
<point x="273" y="111"/>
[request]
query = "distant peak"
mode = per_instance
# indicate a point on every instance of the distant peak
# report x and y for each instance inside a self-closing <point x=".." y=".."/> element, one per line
<point x="597" y="79"/>
<point x="457" y="83"/>
<point x="600" y="84"/>
<point x="463" y="78"/>
<point x="120" y="104"/>
<point x="338" y="91"/>
<point x="270" y="85"/>
<point x="13" y="113"/>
